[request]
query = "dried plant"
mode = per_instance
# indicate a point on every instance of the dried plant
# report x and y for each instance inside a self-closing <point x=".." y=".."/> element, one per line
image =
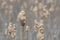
<point x="40" y="26"/>
<point x="27" y="28"/>
<point x="41" y="29"/>
<point x="35" y="9"/>
<point x="22" y="20"/>
<point x="11" y="30"/>
<point x="22" y="17"/>
<point x="43" y="14"/>
<point x="43" y="11"/>
<point x="36" y="25"/>
<point x="40" y="36"/>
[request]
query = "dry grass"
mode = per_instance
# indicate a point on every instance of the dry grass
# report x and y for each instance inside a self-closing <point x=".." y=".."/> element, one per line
<point x="22" y="17"/>
<point x="11" y="31"/>
<point x="39" y="26"/>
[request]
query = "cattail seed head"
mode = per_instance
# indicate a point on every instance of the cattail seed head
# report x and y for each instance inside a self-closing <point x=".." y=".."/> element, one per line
<point x="22" y="17"/>
<point x="36" y="25"/>
<point x="12" y="30"/>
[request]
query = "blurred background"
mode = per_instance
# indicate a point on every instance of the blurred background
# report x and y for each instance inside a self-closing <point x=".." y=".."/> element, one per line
<point x="9" y="10"/>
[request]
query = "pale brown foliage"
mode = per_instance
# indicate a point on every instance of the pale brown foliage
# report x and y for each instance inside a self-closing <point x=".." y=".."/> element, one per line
<point x="22" y="17"/>
<point x="11" y="30"/>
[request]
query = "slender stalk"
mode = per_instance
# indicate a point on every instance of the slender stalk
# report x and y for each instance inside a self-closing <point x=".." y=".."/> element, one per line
<point x="22" y="33"/>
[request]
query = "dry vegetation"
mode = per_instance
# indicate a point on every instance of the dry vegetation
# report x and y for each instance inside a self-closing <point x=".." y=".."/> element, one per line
<point x="21" y="17"/>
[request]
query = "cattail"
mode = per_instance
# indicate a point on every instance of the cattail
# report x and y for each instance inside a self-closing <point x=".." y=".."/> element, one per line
<point x="42" y="30"/>
<point x="12" y="30"/>
<point x="44" y="13"/>
<point x="9" y="28"/>
<point x="22" y="17"/>
<point x="40" y="36"/>
<point x="36" y="26"/>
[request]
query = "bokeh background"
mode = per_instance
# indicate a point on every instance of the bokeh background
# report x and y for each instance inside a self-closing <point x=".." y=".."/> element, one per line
<point x="11" y="8"/>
